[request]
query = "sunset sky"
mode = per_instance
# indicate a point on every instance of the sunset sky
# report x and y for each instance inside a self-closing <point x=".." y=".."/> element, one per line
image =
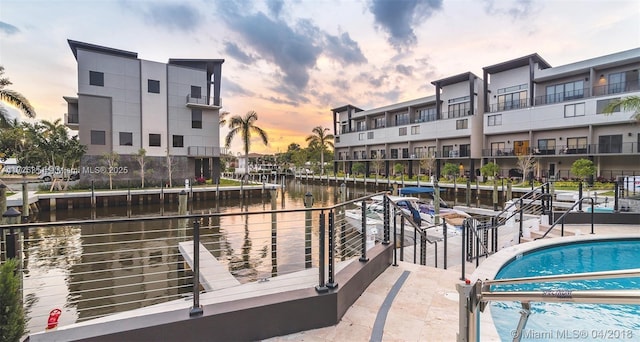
<point x="292" y="61"/>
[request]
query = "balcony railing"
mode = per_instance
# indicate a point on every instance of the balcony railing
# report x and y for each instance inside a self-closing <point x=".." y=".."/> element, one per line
<point x="206" y="101"/>
<point x="562" y="97"/>
<point x="71" y="119"/>
<point x="508" y="105"/>
<point x="204" y="151"/>
<point x="624" y="148"/>
<point x="616" y="88"/>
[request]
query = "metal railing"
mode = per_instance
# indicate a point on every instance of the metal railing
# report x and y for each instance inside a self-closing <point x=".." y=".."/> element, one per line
<point x="92" y="268"/>
<point x="475" y="297"/>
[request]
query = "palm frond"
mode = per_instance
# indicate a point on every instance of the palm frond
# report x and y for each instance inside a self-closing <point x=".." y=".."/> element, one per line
<point x="16" y="99"/>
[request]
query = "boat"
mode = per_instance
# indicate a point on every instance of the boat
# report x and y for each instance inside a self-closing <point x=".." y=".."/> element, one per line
<point x="414" y="207"/>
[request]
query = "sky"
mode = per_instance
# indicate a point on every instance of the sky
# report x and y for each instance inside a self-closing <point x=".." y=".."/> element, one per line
<point x="292" y="61"/>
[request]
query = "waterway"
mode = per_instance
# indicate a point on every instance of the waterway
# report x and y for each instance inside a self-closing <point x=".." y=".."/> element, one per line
<point x="91" y="270"/>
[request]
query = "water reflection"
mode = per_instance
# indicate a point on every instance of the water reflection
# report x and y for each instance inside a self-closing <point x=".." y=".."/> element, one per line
<point x="96" y="269"/>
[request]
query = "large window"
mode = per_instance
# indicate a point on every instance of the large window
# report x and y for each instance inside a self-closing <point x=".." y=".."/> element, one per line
<point x="405" y="153"/>
<point x="465" y="150"/>
<point x="361" y="126"/>
<point x="379" y="122"/>
<point x="427" y="114"/>
<point x="572" y="110"/>
<point x="96" y="78"/>
<point x="369" y="135"/>
<point x="361" y="136"/>
<point x="610" y="143"/>
<point x="153" y="86"/>
<point x="448" y="152"/>
<point x="458" y="110"/>
<point x="415" y="130"/>
<point x="462" y="124"/>
<point x="545" y="146"/>
<point x="512" y="97"/>
<point x="565" y="91"/>
<point x="178" y="141"/>
<point x="196" y="92"/>
<point x="98" y="138"/>
<point x="155" y="140"/>
<point x="126" y="139"/>
<point x="402" y="119"/>
<point x="494" y="120"/>
<point x="497" y="149"/>
<point x="576" y="145"/>
<point x="616" y="82"/>
<point x="418" y="152"/>
<point x="602" y="104"/>
<point x="196" y="118"/>
<point x="402" y="131"/>
<point x="432" y="151"/>
<point x="394" y="153"/>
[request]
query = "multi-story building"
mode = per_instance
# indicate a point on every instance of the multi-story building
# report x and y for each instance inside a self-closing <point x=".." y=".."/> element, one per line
<point x="124" y="104"/>
<point x="520" y="108"/>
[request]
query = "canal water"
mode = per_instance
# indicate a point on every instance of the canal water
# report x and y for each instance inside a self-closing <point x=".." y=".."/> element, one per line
<point x="91" y="270"/>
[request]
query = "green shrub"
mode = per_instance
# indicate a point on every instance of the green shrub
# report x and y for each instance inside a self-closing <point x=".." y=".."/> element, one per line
<point x="12" y="320"/>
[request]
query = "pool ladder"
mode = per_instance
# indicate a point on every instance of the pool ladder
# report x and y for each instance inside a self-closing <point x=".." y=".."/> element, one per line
<point x="475" y="297"/>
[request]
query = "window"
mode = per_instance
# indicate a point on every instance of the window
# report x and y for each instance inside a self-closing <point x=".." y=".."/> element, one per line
<point x="494" y="120"/>
<point x="576" y="145"/>
<point x="98" y="138"/>
<point x="394" y="153"/>
<point x="355" y="155"/>
<point x="610" y="143"/>
<point x="462" y="124"/>
<point x="96" y="78"/>
<point x="178" y="141"/>
<point x="379" y="122"/>
<point x="465" y="150"/>
<point x="418" y="152"/>
<point x="566" y="91"/>
<point x="402" y="119"/>
<point x="426" y="115"/>
<point x="344" y="128"/>
<point x="602" y="104"/>
<point x="432" y="151"/>
<point x="369" y="135"/>
<point x="374" y="154"/>
<point x="459" y="110"/>
<point x="616" y="82"/>
<point x="572" y="110"/>
<point x="512" y="97"/>
<point x="126" y="139"/>
<point x="361" y="136"/>
<point x="405" y="153"/>
<point x="153" y="86"/>
<point x="545" y="146"/>
<point x="402" y="131"/>
<point x="196" y="92"/>
<point x="447" y="151"/>
<point x="415" y="130"/>
<point x="154" y="139"/>
<point x="196" y="118"/>
<point x="361" y="126"/>
<point x="497" y="148"/>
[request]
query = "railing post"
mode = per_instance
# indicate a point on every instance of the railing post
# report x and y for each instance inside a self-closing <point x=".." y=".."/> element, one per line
<point x="331" y="284"/>
<point x="402" y="238"/>
<point x="580" y="196"/>
<point x="444" y="231"/>
<point x="322" y="287"/>
<point x="196" y="309"/>
<point x="593" y="210"/>
<point x="364" y="258"/>
<point x="385" y="203"/>
<point x="465" y="224"/>
<point x="395" y="243"/>
<point x="521" y="219"/>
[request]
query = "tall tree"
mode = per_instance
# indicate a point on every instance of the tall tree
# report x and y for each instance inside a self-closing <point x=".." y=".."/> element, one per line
<point x="629" y="103"/>
<point x="13" y="98"/>
<point x="141" y="158"/>
<point x="321" y="139"/>
<point x="244" y="127"/>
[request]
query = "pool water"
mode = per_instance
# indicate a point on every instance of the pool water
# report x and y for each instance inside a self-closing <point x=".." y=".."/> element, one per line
<point x="555" y="321"/>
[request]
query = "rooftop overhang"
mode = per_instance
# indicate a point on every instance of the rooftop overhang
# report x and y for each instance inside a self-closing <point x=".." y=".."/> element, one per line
<point x="75" y="45"/>
<point x="464" y="77"/>
<point x="202" y="64"/>
<point x="603" y="62"/>
<point x="517" y="63"/>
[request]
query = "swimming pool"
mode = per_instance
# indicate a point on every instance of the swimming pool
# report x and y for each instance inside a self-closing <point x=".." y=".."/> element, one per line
<point x="554" y="321"/>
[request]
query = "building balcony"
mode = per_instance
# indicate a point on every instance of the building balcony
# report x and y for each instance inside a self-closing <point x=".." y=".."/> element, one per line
<point x="568" y="150"/>
<point x="203" y="151"/>
<point x="509" y="105"/>
<point x="72" y="121"/>
<point x="202" y="102"/>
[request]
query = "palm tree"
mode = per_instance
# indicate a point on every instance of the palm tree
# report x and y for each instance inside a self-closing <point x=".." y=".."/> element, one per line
<point x="321" y="139"/>
<point x="244" y="126"/>
<point x="13" y="98"/>
<point x="630" y="103"/>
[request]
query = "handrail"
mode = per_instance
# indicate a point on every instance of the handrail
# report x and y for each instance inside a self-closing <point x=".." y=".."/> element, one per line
<point x="533" y="191"/>
<point x="626" y="273"/>
<point x="562" y="296"/>
<point x="561" y="218"/>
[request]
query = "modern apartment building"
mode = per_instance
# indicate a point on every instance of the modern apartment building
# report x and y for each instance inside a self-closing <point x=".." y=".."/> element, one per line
<point x="521" y="107"/>
<point x="124" y="104"/>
